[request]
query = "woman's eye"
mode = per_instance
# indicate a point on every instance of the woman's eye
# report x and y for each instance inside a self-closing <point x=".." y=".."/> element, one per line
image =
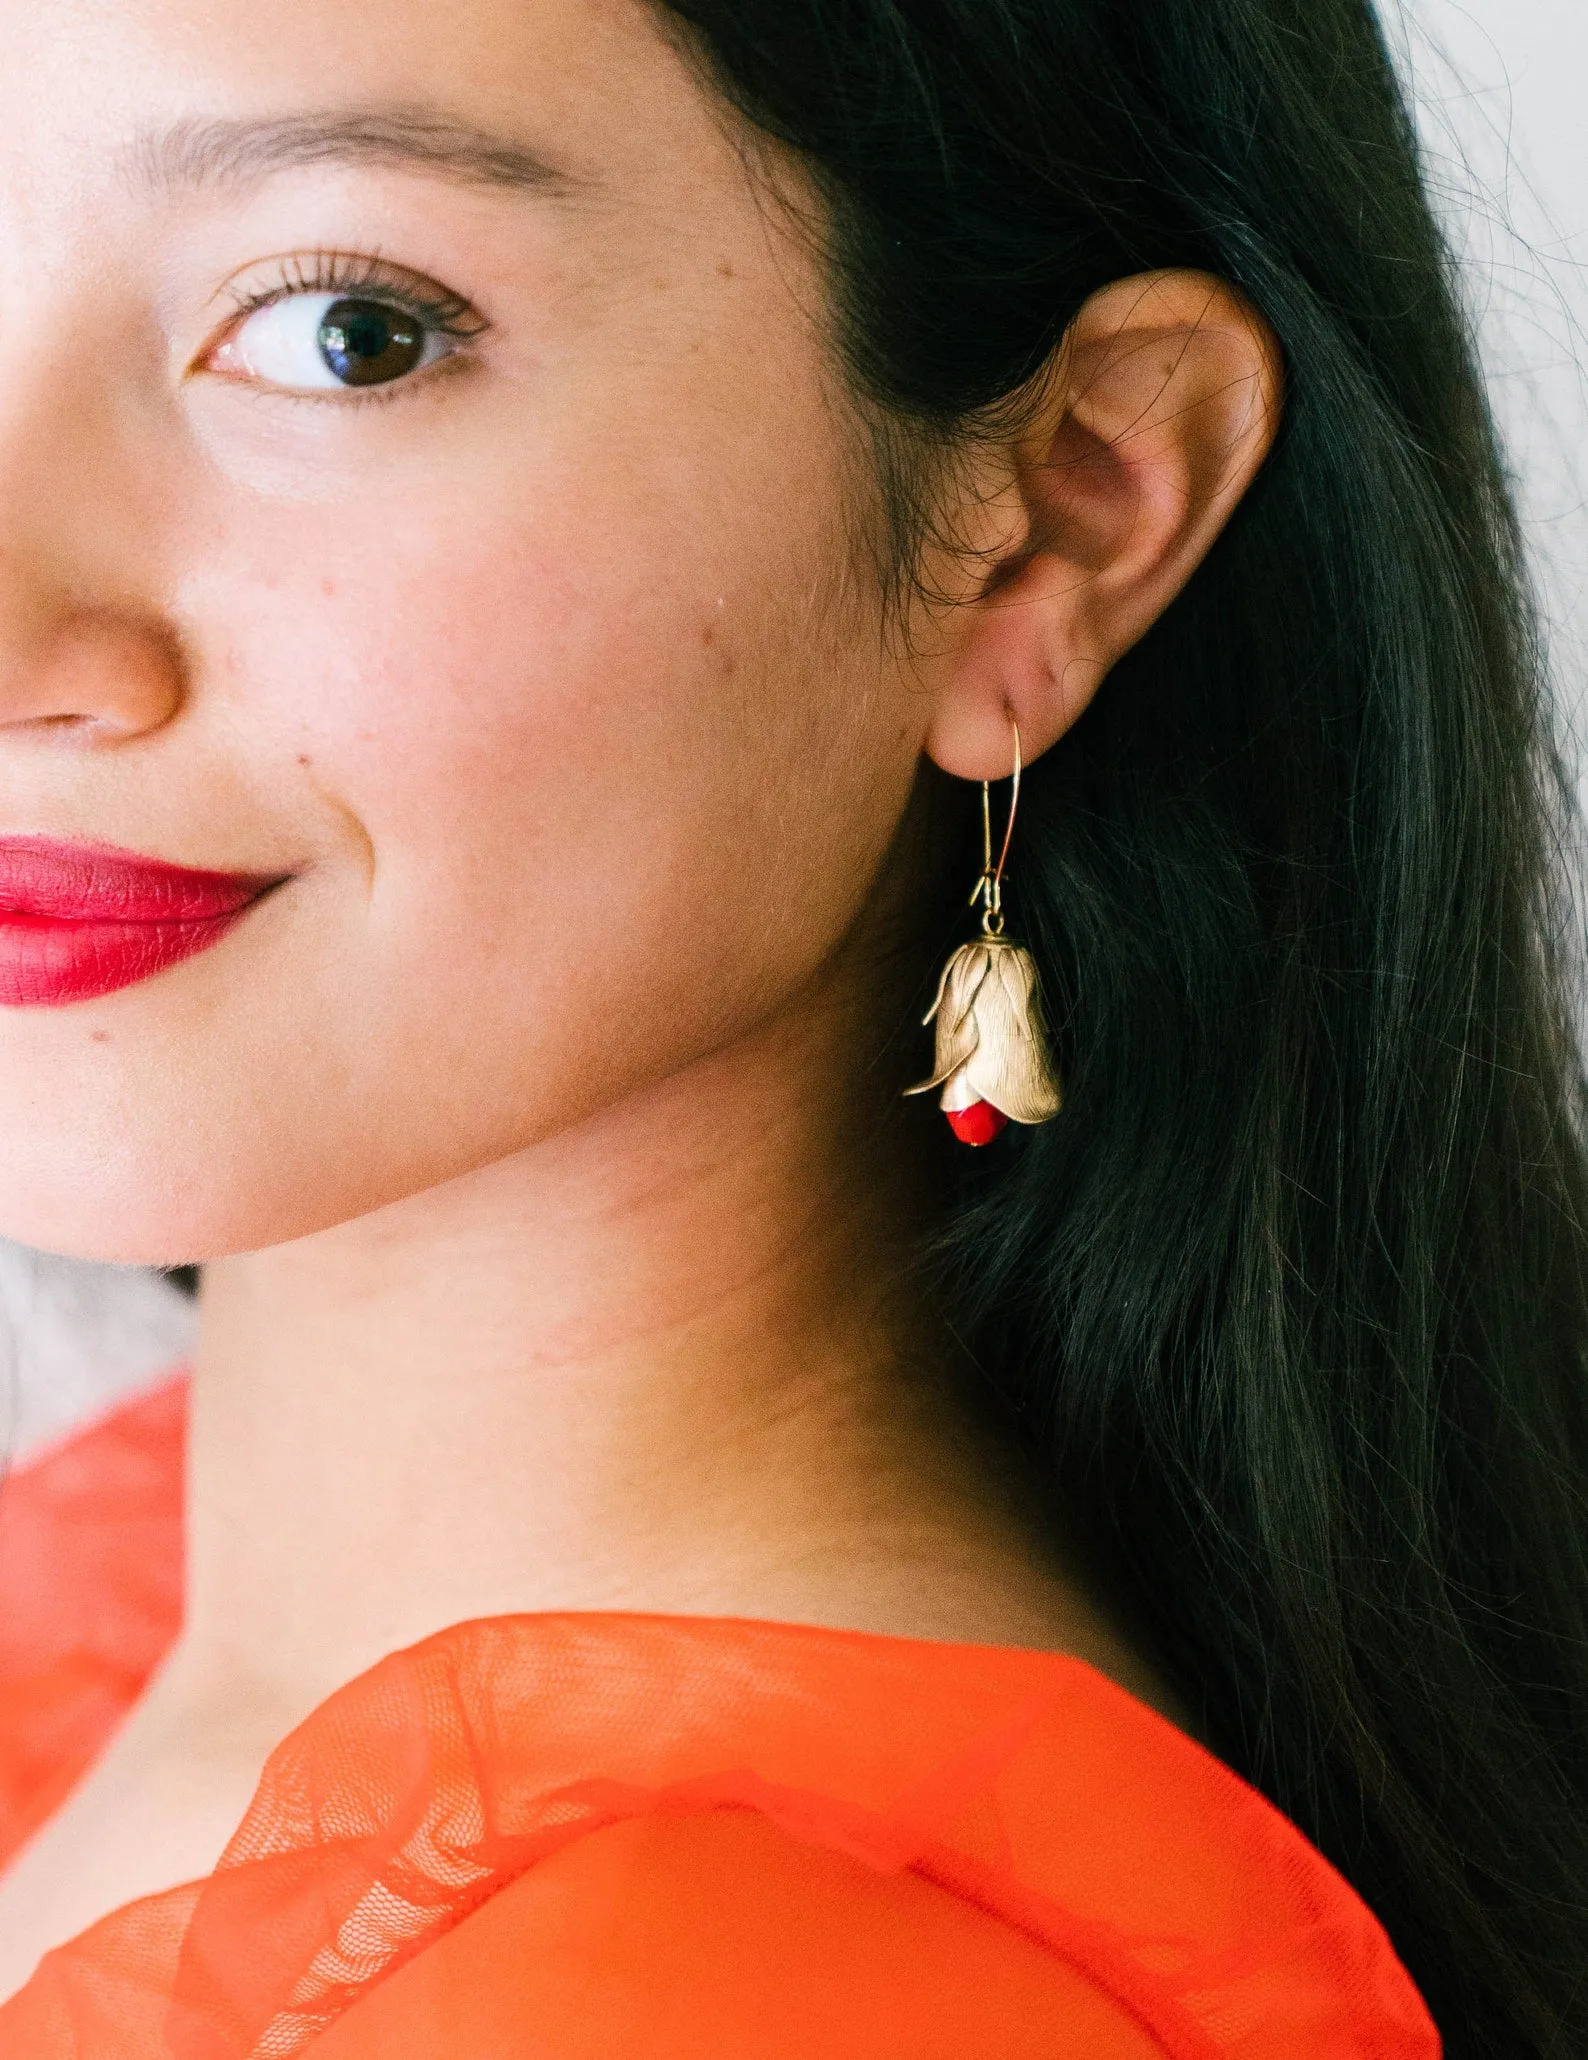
<point x="323" y="342"/>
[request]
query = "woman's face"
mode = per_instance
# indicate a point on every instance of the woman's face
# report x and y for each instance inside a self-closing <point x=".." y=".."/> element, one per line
<point x="492" y="586"/>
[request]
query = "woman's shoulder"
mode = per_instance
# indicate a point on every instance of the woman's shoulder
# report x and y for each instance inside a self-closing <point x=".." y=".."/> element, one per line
<point x="583" y="1834"/>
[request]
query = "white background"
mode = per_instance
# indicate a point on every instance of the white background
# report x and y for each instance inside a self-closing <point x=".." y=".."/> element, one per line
<point x="1499" y="87"/>
<point x="1501" y="93"/>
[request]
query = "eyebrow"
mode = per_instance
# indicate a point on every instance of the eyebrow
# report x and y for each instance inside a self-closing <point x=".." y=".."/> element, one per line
<point x="241" y="153"/>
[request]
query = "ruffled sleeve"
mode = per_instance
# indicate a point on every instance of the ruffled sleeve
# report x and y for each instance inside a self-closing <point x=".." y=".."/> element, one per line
<point x="90" y="1597"/>
<point x="564" y="1837"/>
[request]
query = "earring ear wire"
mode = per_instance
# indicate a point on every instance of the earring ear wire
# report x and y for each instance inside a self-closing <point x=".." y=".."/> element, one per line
<point x="992" y="1060"/>
<point x="988" y="890"/>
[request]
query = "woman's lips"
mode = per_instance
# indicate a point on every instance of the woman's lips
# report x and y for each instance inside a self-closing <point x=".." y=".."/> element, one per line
<point x="77" y="920"/>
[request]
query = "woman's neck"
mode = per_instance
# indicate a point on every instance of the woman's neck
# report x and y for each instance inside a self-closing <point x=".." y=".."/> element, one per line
<point x="652" y="1364"/>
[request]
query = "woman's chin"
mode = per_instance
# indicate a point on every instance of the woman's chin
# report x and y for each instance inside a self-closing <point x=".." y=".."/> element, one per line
<point x="165" y="1219"/>
<point x="91" y="1236"/>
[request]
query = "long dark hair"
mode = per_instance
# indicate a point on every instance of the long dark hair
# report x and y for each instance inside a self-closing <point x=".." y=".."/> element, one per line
<point x="1293" y="1298"/>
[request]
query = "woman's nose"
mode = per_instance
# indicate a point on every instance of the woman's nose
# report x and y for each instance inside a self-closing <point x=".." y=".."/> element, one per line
<point x="100" y="675"/>
<point x="87" y="652"/>
<point x="95" y="674"/>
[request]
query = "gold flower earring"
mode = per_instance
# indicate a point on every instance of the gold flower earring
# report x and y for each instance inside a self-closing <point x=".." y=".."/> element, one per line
<point x="992" y="1048"/>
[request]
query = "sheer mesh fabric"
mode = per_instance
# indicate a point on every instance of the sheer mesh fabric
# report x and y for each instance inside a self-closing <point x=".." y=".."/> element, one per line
<point x="90" y="1597"/>
<point x="563" y="1836"/>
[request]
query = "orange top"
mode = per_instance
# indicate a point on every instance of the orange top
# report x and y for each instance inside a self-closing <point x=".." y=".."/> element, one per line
<point x="593" y="1835"/>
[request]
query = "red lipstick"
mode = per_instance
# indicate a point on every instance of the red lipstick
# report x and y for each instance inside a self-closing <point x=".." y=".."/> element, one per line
<point x="77" y="920"/>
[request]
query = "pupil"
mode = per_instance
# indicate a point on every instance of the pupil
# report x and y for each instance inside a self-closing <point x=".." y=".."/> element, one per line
<point x="366" y="343"/>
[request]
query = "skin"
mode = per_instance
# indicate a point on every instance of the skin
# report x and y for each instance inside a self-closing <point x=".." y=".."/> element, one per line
<point x="518" y="1127"/>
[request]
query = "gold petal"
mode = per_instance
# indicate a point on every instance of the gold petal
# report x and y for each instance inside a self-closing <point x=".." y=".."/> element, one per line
<point x="962" y="978"/>
<point x="1009" y="1066"/>
<point x="955" y="1009"/>
<point x="958" y="1093"/>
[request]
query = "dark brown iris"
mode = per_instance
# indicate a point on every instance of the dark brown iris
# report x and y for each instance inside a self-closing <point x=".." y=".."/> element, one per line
<point x="367" y="342"/>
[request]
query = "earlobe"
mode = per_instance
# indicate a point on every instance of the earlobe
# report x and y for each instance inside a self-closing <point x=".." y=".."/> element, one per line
<point x="1154" y="416"/>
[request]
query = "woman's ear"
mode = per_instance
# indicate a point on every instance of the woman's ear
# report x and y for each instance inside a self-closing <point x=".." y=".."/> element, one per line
<point x="1160" y="405"/>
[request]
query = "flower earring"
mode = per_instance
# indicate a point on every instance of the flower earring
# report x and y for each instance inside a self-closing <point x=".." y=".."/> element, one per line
<point x="992" y="1050"/>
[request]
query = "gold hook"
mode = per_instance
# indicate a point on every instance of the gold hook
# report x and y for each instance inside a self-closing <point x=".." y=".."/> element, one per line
<point x="989" y="888"/>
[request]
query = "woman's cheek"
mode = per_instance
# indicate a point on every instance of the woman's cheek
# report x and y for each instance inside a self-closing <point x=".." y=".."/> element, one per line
<point x="519" y="771"/>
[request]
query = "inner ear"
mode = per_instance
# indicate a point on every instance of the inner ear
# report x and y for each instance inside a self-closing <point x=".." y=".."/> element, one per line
<point x="1083" y="497"/>
<point x="1159" y="407"/>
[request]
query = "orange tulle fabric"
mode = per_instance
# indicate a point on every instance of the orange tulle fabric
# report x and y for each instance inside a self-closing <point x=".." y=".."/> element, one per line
<point x="90" y="1597"/>
<point x="563" y="1837"/>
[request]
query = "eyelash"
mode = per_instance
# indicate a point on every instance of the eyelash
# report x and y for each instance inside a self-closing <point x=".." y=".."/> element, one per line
<point x="341" y="271"/>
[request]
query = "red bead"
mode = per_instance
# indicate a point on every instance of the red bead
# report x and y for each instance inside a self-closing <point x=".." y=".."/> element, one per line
<point x="979" y="1124"/>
